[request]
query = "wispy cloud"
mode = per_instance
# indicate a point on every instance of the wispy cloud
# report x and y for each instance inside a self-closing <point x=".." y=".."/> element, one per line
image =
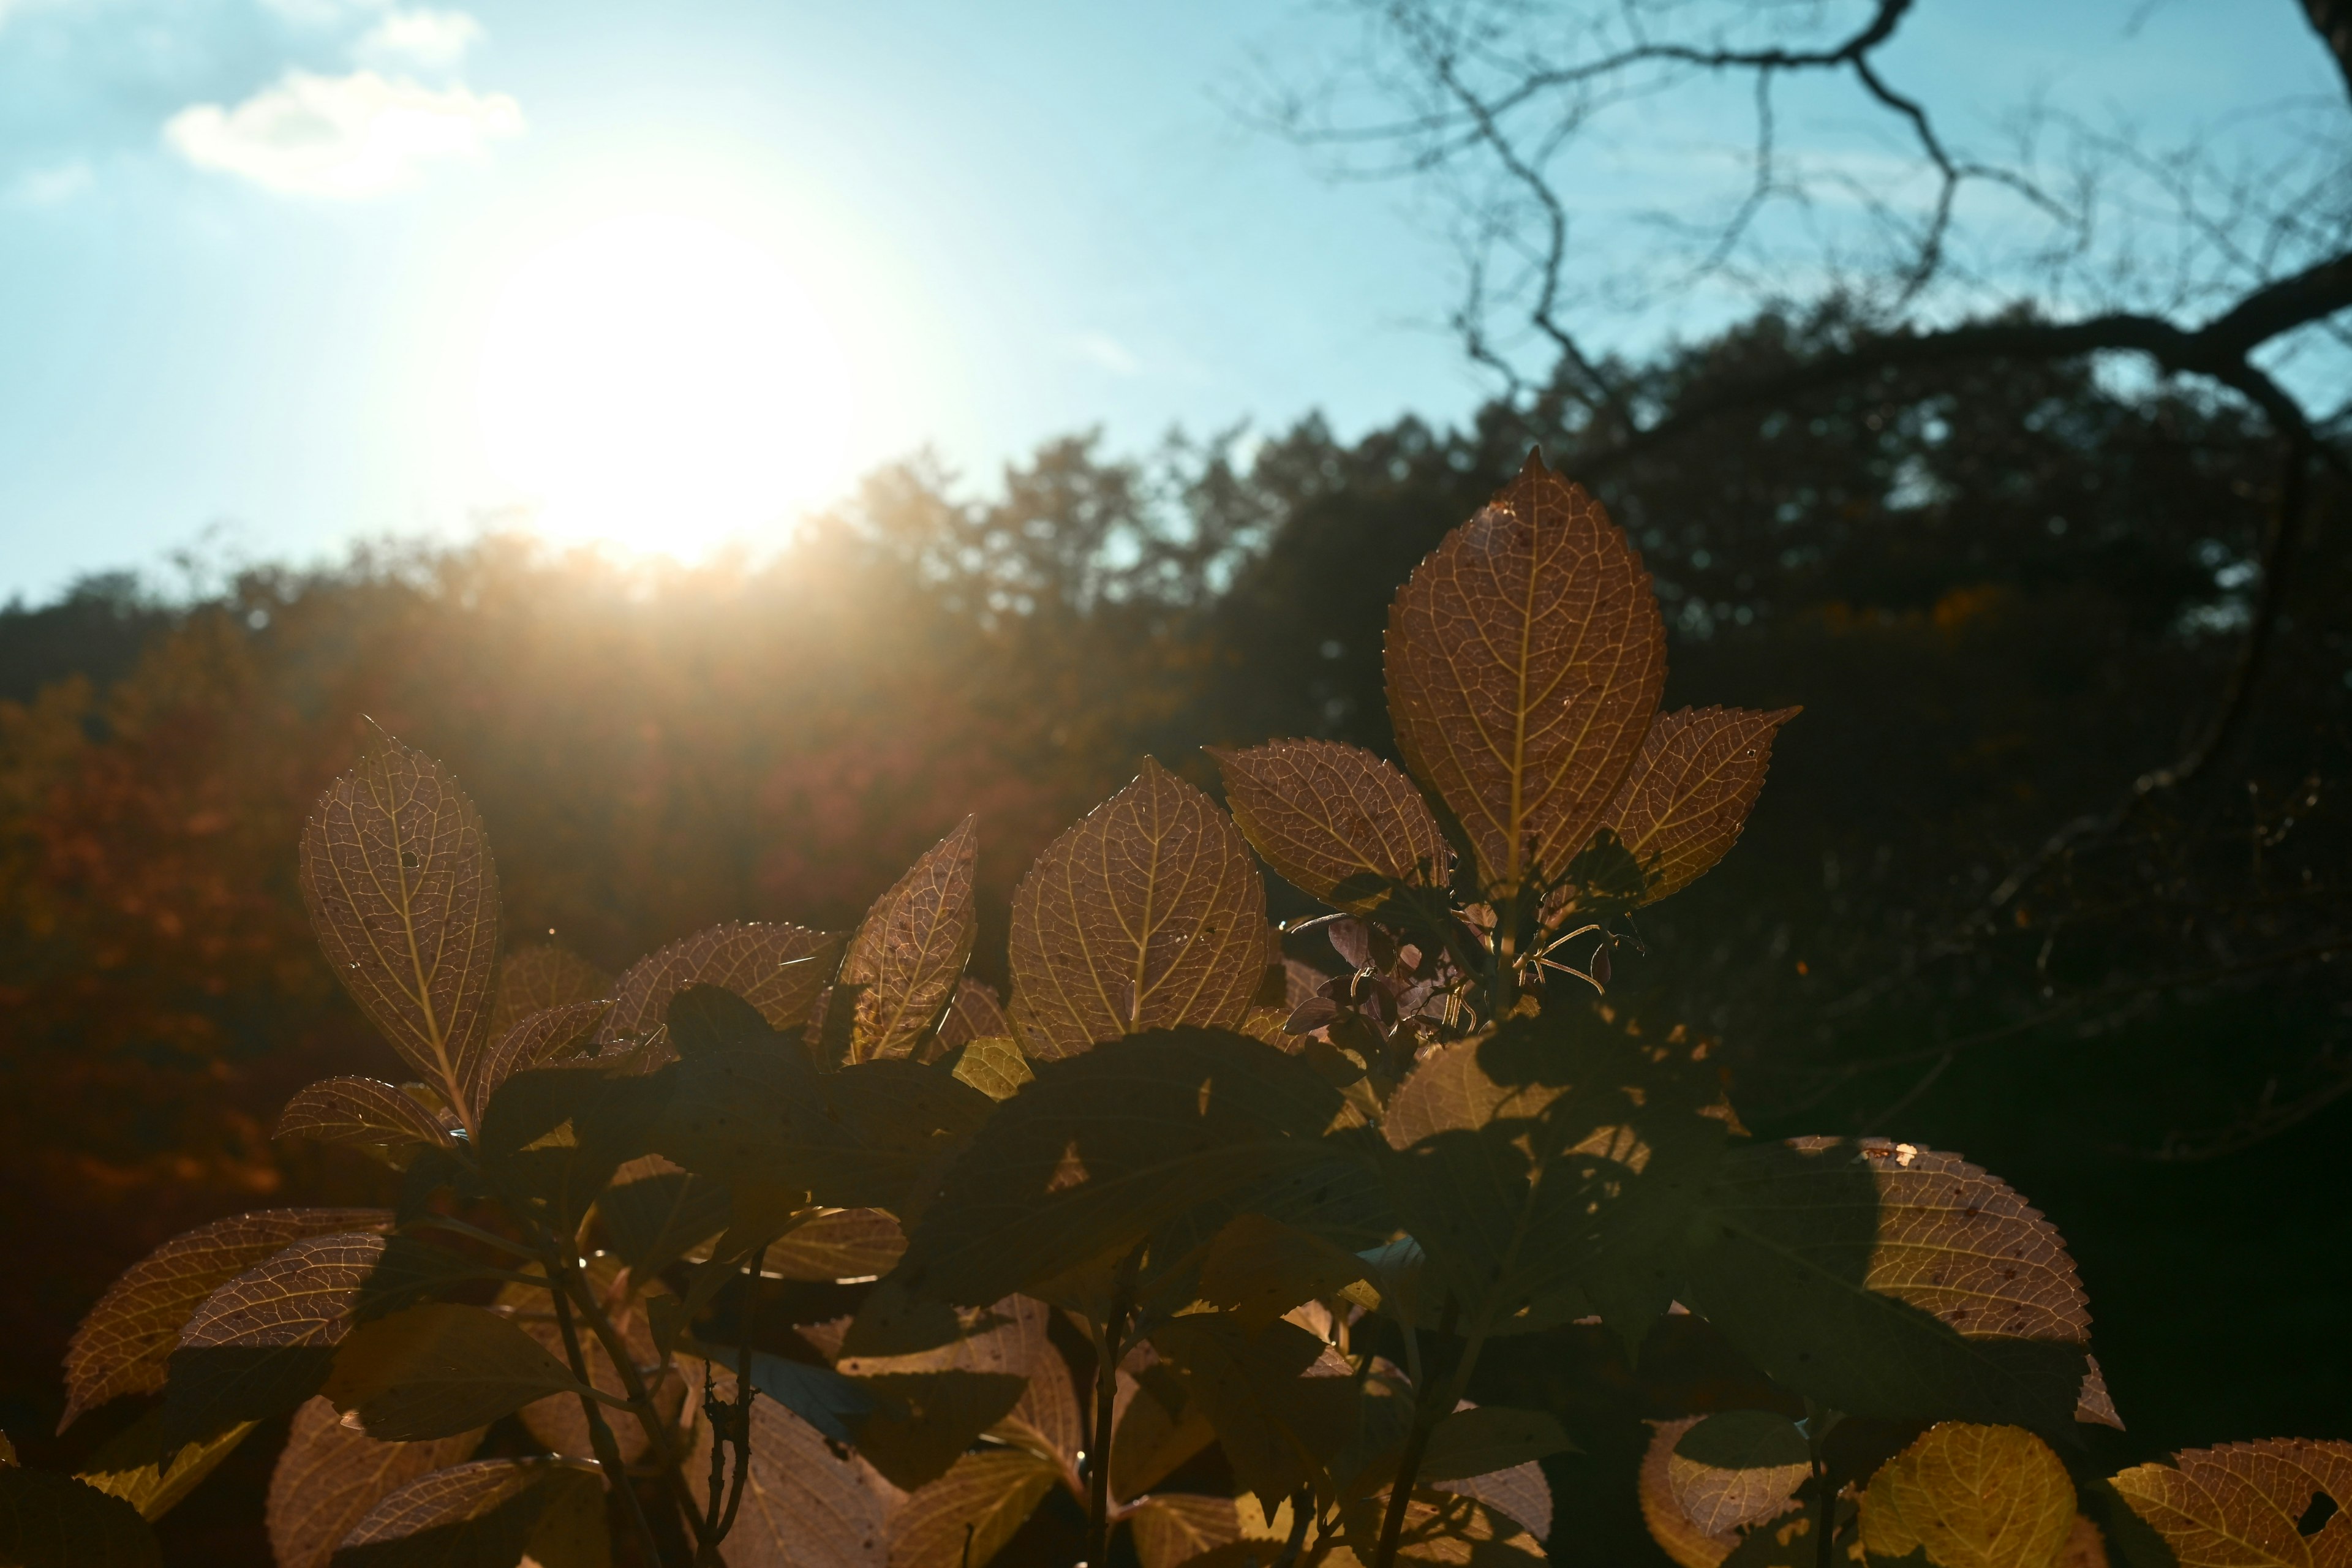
<point x="432" y="40"/>
<point x="1102" y="349"/>
<point x="346" y="136"/>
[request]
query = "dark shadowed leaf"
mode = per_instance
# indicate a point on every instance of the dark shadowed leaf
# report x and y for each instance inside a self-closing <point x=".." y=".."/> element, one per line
<point x="397" y="875"/>
<point x="923" y="1421"/>
<point x="1887" y="1279"/>
<point x="1524" y="661"/>
<point x="486" y="1514"/>
<point x="778" y="969"/>
<point x="1449" y="1528"/>
<point x="126" y="1340"/>
<point x="1146" y="914"/>
<point x="1699" y="771"/>
<point x="835" y="1406"/>
<point x="535" y="1040"/>
<point x="1012" y="1340"/>
<point x="2243" y="1504"/>
<point x="1281" y="1401"/>
<point x="965" y="1517"/>
<point x="1157" y="1426"/>
<point x="52" y="1520"/>
<point x="557" y="1419"/>
<point x="558" y="1134"/>
<point x="329" y="1477"/>
<point x="1970" y="1497"/>
<point x="1482" y="1439"/>
<point x="1258" y="1269"/>
<point x="439" y="1370"/>
<point x="804" y="1506"/>
<point x="133" y="1465"/>
<point x="541" y="978"/>
<point x="1736" y="1468"/>
<point x="1103" y="1147"/>
<point x="365" y="1112"/>
<point x="1678" y="1535"/>
<point x="1325" y="815"/>
<point x="1171" y="1530"/>
<point x="909" y="951"/>
<point x="657" y="1219"/>
<point x="1519" y="1494"/>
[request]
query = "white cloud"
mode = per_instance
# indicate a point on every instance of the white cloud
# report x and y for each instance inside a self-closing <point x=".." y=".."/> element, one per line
<point x="340" y="136"/>
<point x="430" y="39"/>
<point x="1102" y="349"/>
<point x="47" y="188"/>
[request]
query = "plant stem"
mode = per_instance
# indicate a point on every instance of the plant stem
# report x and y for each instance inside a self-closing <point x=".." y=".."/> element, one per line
<point x="600" y="1435"/>
<point x="1107" y="1353"/>
<point x="640" y="1402"/>
<point x="1302" y="1513"/>
<point x="1427" y="1412"/>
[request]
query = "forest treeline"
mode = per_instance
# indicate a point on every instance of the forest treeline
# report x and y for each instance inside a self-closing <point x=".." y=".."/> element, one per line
<point x="1998" y="594"/>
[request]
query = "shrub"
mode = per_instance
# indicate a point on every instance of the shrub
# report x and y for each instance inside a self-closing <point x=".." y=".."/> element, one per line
<point x="785" y="1248"/>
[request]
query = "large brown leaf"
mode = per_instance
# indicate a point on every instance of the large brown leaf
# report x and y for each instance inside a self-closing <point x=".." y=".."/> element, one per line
<point x="1525" y="661"/>
<point x="1685" y="1539"/>
<point x="1147" y="914"/>
<point x="534" y="1040"/>
<point x="329" y="1477"/>
<point x="848" y="1244"/>
<point x="1699" y="771"/>
<point x="974" y="1015"/>
<point x="2239" y="1505"/>
<point x="804" y="1506"/>
<point x="1171" y="1530"/>
<point x="302" y="1296"/>
<point x="779" y="969"/>
<point x="365" y="1113"/>
<point x="534" y="979"/>
<point x="1968" y="1496"/>
<point x="486" y="1510"/>
<point x="909" y="951"/>
<point x="964" y="1518"/>
<point x="126" y="1340"/>
<point x="397" y="874"/>
<point x="1336" y="820"/>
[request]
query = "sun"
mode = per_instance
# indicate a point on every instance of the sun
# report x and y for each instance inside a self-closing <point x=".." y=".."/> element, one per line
<point x="663" y="384"/>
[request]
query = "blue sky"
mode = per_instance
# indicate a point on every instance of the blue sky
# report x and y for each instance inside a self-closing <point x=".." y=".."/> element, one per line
<point x="254" y="253"/>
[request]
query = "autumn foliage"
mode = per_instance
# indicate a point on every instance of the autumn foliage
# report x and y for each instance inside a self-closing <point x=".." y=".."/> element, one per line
<point x="785" y="1245"/>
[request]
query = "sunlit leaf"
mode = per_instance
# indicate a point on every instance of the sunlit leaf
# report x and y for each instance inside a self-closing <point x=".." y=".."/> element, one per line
<point x="803" y="1506"/>
<point x="329" y="1477"/>
<point x="993" y="1065"/>
<point x="534" y="1040"/>
<point x="2246" y="1505"/>
<point x="1970" y="1497"/>
<point x="52" y="1520"/>
<point x="1888" y="1279"/>
<point x="778" y="969"/>
<point x="965" y="1517"/>
<point x="540" y="979"/>
<point x="1678" y="1535"/>
<point x="488" y="1514"/>
<point x="438" y="1369"/>
<point x="852" y="1244"/>
<point x="1258" y="1269"/>
<point x="126" y="1339"/>
<point x="1699" y="771"/>
<point x="1103" y="1147"/>
<point x="1525" y="661"/>
<point x="1736" y="1468"/>
<point x="1146" y="914"/>
<point x="1481" y="1439"/>
<point x="1046" y="1419"/>
<point x="909" y="951"/>
<point x="1282" y="1402"/>
<point x="557" y="1419"/>
<point x="397" y="875"/>
<point x="362" y="1112"/>
<point x="1173" y="1529"/>
<point x="1441" y="1527"/>
<point x="1519" y="1493"/>
<point x="142" y="1466"/>
<point x="1327" y="815"/>
<point x="975" y="1013"/>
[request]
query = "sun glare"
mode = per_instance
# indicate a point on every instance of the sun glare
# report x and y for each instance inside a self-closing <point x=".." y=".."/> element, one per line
<point x="662" y="383"/>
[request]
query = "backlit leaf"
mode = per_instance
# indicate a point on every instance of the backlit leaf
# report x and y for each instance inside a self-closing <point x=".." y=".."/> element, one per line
<point x="534" y="1040"/>
<point x="1441" y="1527"/>
<point x="778" y="969"/>
<point x="557" y="1419"/>
<point x="134" y="1464"/>
<point x="1888" y="1279"/>
<point x="965" y="1517"/>
<point x="850" y="1244"/>
<point x="397" y="875"/>
<point x="909" y="951"/>
<point x="486" y="1513"/>
<point x="993" y="1065"/>
<point x="1685" y="1539"/>
<point x="1283" y="1403"/>
<point x="1146" y="914"/>
<point x="362" y="1112"/>
<point x="804" y="1505"/>
<point x="1736" y="1467"/>
<point x="329" y="1477"/>
<point x="52" y="1520"/>
<point x="1046" y="1419"/>
<point x="538" y="979"/>
<point x="1698" y="775"/>
<point x="1524" y="661"/>
<point x="126" y="1339"/>
<point x="1970" y="1497"/>
<point x="1173" y="1529"/>
<point x="974" y="1015"/>
<point x="2241" y="1505"/>
<point x="1482" y="1439"/>
<point x="1519" y="1493"/>
<point x="1325" y="815"/>
<point x="1103" y="1147"/>
<point x="438" y="1369"/>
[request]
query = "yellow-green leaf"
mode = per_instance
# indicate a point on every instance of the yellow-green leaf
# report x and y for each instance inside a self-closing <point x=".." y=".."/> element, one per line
<point x="402" y="892"/>
<point x="995" y="1066"/>
<point x="1171" y="1530"/>
<point x="1970" y="1497"/>
<point x="1736" y="1468"/>
<point x="909" y="951"/>
<point x="963" y="1519"/>
<point x="1147" y="914"/>
<point x="133" y="1463"/>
